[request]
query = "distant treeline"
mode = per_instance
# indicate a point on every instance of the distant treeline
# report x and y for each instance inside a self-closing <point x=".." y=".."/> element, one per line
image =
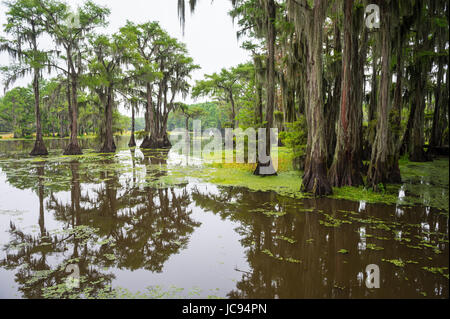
<point x="17" y="115"/>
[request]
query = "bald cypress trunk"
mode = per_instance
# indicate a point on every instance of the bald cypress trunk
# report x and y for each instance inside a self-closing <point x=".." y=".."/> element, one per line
<point x="109" y="146"/>
<point x="332" y="106"/>
<point x="259" y="89"/>
<point x="73" y="148"/>
<point x="266" y="168"/>
<point x="422" y="67"/>
<point x="416" y="136"/>
<point x="346" y="168"/>
<point x="132" y="142"/>
<point x="315" y="177"/>
<point x="233" y="109"/>
<point x="384" y="160"/>
<point x="439" y="93"/>
<point x="150" y="128"/>
<point x="370" y="133"/>
<point x="39" y="146"/>
<point x="396" y="113"/>
<point x="436" y="128"/>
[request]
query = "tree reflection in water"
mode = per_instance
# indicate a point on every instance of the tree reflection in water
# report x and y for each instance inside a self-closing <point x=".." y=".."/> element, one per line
<point x="116" y="223"/>
<point x="311" y="266"/>
<point x="113" y="213"/>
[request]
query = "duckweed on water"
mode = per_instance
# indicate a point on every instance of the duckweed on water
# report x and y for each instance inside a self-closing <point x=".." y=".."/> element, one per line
<point x="288" y="259"/>
<point x="286" y="183"/>
<point x="438" y="270"/>
<point x="424" y="183"/>
<point x="289" y="240"/>
<point x="373" y="247"/>
<point x="396" y="262"/>
<point x="108" y="292"/>
<point x="268" y="213"/>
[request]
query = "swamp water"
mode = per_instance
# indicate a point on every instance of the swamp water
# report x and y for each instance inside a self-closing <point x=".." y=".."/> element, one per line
<point x="140" y="225"/>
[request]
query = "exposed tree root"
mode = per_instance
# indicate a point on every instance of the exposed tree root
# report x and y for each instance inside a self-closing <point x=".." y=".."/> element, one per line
<point x="154" y="143"/>
<point x="315" y="179"/>
<point x="39" y="148"/>
<point x="381" y="173"/>
<point x="73" y="149"/>
<point x="345" y="172"/>
<point x="111" y="148"/>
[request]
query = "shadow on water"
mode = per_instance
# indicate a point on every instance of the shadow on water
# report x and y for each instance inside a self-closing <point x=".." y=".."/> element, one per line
<point x="110" y="216"/>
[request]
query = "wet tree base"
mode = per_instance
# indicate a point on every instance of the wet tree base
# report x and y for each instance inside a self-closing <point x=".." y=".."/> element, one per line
<point x="73" y="149"/>
<point x="345" y="172"/>
<point x="315" y="180"/>
<point x="383" y="173"/>
<point x="109" y="148"/>
<point x="154" y="143"/>
<point x="39" y="149"/>
<point x="265" y="169"/>
<point x="419" y="156"/>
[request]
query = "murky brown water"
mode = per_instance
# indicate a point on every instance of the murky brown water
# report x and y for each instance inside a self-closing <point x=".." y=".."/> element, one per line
<point x="114" y="219"/>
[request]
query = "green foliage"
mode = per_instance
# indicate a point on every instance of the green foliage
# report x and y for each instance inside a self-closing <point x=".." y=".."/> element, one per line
<point x="141" y="134"/>
<point x="211" y="116"/>
<point x="232" y="87"/>
<point x="120" y="122"/>
<point x="296" y="137"/>
<point x="17" y="112"/>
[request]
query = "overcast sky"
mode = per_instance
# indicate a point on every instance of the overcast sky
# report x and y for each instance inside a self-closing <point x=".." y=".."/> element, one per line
<point x="210" y="35"/>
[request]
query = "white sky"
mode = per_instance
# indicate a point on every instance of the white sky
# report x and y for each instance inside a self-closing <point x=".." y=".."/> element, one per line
<point x="210" y="35"/>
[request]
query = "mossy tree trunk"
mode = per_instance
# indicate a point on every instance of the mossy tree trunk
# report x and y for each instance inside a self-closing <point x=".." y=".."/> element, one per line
<point x="109" y="146"/>
<point x="396" y="113"/>
<point x="39" y="146"/>
<point x="421" y="69"/>
<point x="315" y="177"/>
<point x="259" y="78"/>
<point x="384" y="160"/>
<point x="150" y="138"/>
<point x="416" y="136"/>
<point x="267" y="169"/>
<point x="132" y="142"/>
<point x="441" y="91"/>
<point x="370" y="133"/>
<point x="346" y="168"/>
<point x="332" y="105"/>
<point x="73" y="148"/>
